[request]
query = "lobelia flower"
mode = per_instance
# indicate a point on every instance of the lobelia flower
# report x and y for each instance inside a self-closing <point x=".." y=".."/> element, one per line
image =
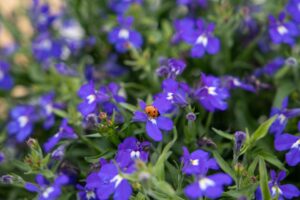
<point x="283" y="114"/>
<point x="201" y="3"/>
<point x="41" y="17"/>
<point x="170" y="68"/>
<point x="203" y="40"/>
<point x="152" y="116"/>
<point x="130" y="150"/>
<point x="46" y="190"/>
<point x="289" y="142"/>
<point x="282" y="32"/>
<point x="208" y="186"/>
<point x="2" y="157"/>
<point x="47" y="105"/>
<point x="121" y="6"/>
<point x="198" y="162"/>
<point x="108" y="182"/>
<point x="210" y="94"/>
<point x="183" y="30"/>
<point x="271" y="67"/>
<point x="287" y="191"/>
<point x="293" y="8"/>
<point x="65" y="132"/>
<point x="233" y="82"/>
<point x="21" y="124"/>
<point x="91" y="98"/>
<point x="124" y="37"/>
<point x="6" y="82"/>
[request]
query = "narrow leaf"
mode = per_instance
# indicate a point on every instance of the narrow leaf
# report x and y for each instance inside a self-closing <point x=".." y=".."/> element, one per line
<point x="224" y="134"/>
<point x="224" y="165"/>
<point x="263" y="179"/>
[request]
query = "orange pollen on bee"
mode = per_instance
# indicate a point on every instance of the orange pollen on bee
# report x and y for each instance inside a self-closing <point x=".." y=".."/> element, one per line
<point x="151" y="111"/>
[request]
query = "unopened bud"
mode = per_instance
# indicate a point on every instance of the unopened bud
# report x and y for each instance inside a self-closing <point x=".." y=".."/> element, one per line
<point x="239" y="138"/>
<point x="32" y="143"/>
<point x="6" y="179"/>
<point x="103" y="116"/>
<point x="191" y="116"/>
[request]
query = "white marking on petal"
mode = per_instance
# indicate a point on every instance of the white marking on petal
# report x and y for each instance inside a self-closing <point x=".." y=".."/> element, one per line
<point x="170" y="96"/>
<point x="194" y="162"/>
<point x="202" y="39"/>
<point x="117" y="180"/>
<point x="74" y="32"/>
<point x="91" y="98"/>
<point x="212" y="91"/>
<point x="204" y="183"/>
<point x="281" y="118"/>
<point x="90" y="195"/>
<point x="275" y="190"/>
<point x="153" y="121"/>
<point x="124" y="34"/>
<point x="23" y="120"/>
<point x="282" y="30"/>
<point x="65" y="53"/>
<point x="135" y="154"/>
<point x="236" y="82"/>
<point x="49" y="108"/>
<point x="45" y="44"/>
<point x="47" y="192"/>
<point x="296" y="144"/>
<point x="1" y="75"/>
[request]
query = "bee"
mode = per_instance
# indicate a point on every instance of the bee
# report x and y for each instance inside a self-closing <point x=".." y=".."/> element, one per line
<point x="151" y="111"/>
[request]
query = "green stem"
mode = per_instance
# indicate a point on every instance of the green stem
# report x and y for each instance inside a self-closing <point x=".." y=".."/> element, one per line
<point x="208" y="121"/>
<point x="88" y="142"/>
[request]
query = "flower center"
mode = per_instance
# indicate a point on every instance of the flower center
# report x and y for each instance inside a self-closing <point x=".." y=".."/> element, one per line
<point x="47" y="192"/>
<point x="281" y="118"/>
<point x="296" y="144"/>
<point x="194" y="162"/>
<point x="204" y="183"/>
<point x="91" y="98"/>
<point x="90" y="195"/>
<point x="152" y="120"/>
<point x="202" y="39"/>
<point x="282" y="30"/>
<point x="124" y="34"/>
<point x="117" y="180"/>
<point x="212" y="91"/>
<point x="135" y="154"/>
<point x="276" y="190"/>
<point x="170" y="96"/>
<point x="236" y="82"/>
<point x="49" y="108"/>
<point x="23" y="120"/>
<point x="45" y="45"/>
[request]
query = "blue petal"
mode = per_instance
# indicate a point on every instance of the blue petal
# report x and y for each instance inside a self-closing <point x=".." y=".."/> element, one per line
<point x="139" y="117"/>
<point x="284" y="142"/>
<point x="293" y="157"/>
<point x="164" y="123"/>
<point x="289" y="191"/>
<point x="193" y="191"/>
<point x="31" y="187"/>
<point x="123" y="191"/>
<point x="153" y="131"/>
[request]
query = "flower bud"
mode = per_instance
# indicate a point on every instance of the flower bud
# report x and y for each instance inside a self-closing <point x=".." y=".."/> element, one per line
<point x="239" y="138"/>
<point x="32" y="143"/>
<point x="6" y="179"/>
<point x="190" y="116"/>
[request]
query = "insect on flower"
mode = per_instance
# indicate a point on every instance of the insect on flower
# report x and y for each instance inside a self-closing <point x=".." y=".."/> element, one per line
<point x="152" y="111"/>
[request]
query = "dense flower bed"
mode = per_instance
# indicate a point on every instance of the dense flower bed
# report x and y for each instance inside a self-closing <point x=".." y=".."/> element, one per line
<point x="151" y="99"/>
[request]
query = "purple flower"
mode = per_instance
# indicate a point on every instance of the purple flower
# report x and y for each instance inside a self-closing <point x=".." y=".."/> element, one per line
<point x="283" y="114"/>
<point x="184" y="28"/>
<point x="2" y="157"/>
<point x="108" y="182"/>
<point x="44" y="189"/>
<point x="203" y="40"/>
<point x="130" y="150"/>
<point x="210" y="94"/>
<point x="271" y="67"/>
<point x="293" y="8"/>
<point x="65" y="70"/>
<point x="198" y="162"/>
<point x="152" y="116"/>
<point x="170" y="68"/>
<point x="282" y="32"/>
<point x="21" y="124"/>
<point x="124" y="37"/>
<point x="287" y="191"/>
<point x="65" y="132"/>
<point x="6" y="82"/>
<point x="201" y="3"/>
<point x="233" y="82"/>
<point x="90" y="98"/>
<point x="121" y="6"/>
<point x="208" y="186"/>
<point x="239" y="139"/>
<point x="47" y="106"/>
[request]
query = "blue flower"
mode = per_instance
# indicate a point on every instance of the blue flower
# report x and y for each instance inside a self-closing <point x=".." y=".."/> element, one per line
<point x="47" y="105"/>
<point x="121" y="6"/>
<point x="210" y="94"/>
<point x="91" y="97"/>
<point x="21" y="124"/>
<point x="65" y="132"/>
<point x="123" y="37"/>
<point x="201" y="3"/>
<point x="287" y="191"/>
<point x="6" y="82"/>
<point x="203" y="40"/>
<point x="129" y="151"/>
<point x="171" y="68"/>
<point x="292" y="8"/>
<point x="45" y="190"/>
<point x="271" y="67"/>
<point x="233" y="82"/>
<point x="184" y="28"/>
<point x="282" y="32"/>
<point x="198" y="162"/>
<point x="208" y="186"/>
<point x="154" y="118"/>
<point x="283" y="114"/>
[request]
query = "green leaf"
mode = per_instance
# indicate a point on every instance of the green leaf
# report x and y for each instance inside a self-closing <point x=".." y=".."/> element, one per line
<point x="253" y="166"/>
<point x="262" y="130"/>
<point x="223" y="134"/>
<point x="158" y="168"/>
<point x="263" y="179"/>
<point x="272" y="159"/>
<point x="128" y="107"/>
<point x="224" y="165"/>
